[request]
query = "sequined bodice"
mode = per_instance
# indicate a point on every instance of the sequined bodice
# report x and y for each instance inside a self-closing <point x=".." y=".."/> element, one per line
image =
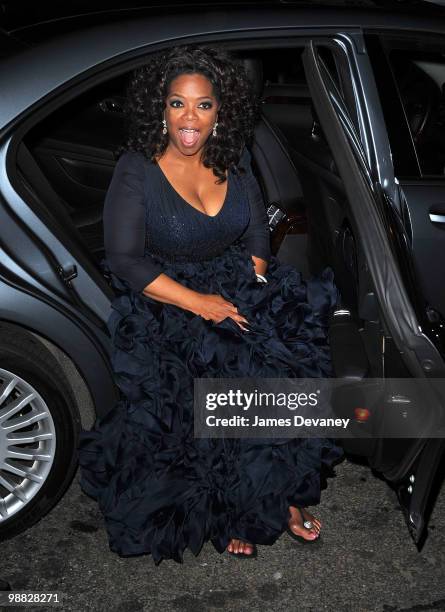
<point x="176" y="231"/>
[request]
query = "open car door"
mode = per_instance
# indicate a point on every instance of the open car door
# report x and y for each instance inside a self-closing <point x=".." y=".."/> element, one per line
<point x="378" y="332"/>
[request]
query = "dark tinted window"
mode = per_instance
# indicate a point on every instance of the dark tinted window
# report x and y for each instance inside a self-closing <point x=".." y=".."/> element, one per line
<point x="410" y="77"/>
<point x="420" y="78"/>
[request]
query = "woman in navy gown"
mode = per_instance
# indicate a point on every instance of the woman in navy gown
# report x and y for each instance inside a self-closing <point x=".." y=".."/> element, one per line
<point x="198" y="294"/>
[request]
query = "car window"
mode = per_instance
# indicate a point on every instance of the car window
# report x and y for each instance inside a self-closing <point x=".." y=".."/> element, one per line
<point x="413" y="98"/>
<point x="420" y="79"/>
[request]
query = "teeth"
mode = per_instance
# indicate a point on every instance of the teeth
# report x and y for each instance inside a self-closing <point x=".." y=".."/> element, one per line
<point x="187" y="130"/>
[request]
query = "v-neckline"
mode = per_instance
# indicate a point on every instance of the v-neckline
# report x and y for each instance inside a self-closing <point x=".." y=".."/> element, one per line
<point x="191" y="205"/>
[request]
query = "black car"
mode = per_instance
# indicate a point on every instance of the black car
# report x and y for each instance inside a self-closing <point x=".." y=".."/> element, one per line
<point x="349" y="152"/>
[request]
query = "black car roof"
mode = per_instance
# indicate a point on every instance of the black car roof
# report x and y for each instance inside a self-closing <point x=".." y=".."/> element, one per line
<point x="33" y="22"/>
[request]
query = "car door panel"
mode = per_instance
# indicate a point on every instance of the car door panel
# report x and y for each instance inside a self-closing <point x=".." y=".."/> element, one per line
<point x="426" y="205"/>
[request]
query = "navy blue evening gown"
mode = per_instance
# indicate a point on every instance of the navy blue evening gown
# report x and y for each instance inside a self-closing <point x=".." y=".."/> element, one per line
<point x="160" y="489"/>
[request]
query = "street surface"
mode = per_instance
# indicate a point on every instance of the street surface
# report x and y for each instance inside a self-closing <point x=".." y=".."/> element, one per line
<point x="365" y="561"/>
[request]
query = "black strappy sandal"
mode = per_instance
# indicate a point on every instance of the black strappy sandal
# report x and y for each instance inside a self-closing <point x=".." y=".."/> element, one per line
<point x="244" y="555"/>
<point x="308" y="525"/>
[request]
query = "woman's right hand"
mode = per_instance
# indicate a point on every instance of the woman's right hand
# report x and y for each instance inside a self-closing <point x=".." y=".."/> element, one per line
<point x="214" y="307"/>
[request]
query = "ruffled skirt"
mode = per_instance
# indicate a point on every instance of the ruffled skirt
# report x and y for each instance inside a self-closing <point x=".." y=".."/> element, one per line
<point x="160" y="489"/>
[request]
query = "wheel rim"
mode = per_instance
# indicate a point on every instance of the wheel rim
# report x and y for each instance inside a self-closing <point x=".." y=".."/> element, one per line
<point x="27" y="443"/>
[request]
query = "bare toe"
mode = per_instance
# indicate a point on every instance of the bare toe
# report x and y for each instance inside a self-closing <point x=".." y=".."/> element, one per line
<point x="237" y="546"/>
<point x="307" y="534"/>
<point x="296" y="524"/>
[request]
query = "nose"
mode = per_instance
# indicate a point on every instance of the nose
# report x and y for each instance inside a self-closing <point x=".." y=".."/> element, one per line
<point x="190" y="112"/>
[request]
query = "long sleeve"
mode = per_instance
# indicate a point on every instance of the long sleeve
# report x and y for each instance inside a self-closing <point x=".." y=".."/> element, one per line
<point x="124" y="224"/>
<point x="257" y="235"/>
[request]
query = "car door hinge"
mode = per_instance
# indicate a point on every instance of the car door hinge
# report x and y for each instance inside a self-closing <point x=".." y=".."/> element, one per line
<point x="68" y="273"/>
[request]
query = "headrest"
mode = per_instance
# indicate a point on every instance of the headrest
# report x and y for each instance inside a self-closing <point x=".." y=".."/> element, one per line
<point x="254" y="69"/>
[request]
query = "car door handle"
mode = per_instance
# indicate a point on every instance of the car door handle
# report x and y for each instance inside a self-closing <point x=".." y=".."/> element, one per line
<point x="437" y="216"/>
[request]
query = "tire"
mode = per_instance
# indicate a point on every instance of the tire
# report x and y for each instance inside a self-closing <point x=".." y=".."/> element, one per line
<point x="32" y="372"/>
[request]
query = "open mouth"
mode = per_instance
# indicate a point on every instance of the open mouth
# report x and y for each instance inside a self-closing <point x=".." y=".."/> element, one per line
<point x="189" y="137"/>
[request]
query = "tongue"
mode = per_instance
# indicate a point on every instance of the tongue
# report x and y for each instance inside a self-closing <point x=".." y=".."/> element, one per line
<point x="189" y="138"/>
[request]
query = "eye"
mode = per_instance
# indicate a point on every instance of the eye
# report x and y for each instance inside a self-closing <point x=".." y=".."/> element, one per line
<point x="206" y="105"/>
<point x="174" y="102"/>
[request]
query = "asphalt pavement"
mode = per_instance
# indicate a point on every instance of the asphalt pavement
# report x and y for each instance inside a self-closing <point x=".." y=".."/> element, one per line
<point x="365" y="560"/>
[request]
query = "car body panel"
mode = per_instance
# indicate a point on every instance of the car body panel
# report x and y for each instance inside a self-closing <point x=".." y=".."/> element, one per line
<point x="90" y="353"/>
<point x="428" y="237"/>
<point x="21" y="19"/>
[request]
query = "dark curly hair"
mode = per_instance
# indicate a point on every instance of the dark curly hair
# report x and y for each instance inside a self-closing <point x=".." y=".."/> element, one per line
<point x="148" y="88"/>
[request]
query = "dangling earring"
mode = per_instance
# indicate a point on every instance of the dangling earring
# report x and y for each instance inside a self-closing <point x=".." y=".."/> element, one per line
<point x="214" y="129"/>
<point x="164" y="129"/>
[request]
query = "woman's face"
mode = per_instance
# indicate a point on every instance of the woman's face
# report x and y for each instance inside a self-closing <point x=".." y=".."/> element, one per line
<point x="191" y="111"/>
